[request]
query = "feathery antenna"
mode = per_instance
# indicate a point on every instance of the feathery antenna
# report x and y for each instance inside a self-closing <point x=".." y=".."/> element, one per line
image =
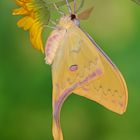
<point x="69" y="7"/>
<point x="75" y="4"/>
<point x="59" y="11"/>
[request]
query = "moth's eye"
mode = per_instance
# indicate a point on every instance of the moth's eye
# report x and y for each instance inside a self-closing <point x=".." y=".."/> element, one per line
<point x="73" y="16"/>
<point x="73" y="67"/>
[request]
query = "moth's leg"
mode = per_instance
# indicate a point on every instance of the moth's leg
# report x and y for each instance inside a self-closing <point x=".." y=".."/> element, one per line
<point x="52" y="27"/>
<point x="53" y="22"/>
<point x="58" y="100"/>
<point x="59" y="11"/>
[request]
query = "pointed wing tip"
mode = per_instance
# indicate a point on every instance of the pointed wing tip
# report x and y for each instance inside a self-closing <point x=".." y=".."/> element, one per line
<point x="121" y="111"/>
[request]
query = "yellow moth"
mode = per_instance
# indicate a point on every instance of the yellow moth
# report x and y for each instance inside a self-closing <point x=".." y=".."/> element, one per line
<point x="79" y="66"/>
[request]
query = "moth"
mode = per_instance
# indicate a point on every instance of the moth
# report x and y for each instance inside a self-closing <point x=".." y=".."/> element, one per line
<point x="81" y="67"/>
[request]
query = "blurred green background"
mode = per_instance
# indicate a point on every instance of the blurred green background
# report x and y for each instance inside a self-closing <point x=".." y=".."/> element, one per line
<point x="25" y="80"/>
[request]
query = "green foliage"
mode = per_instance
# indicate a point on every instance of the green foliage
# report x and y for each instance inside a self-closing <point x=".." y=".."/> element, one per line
<point x="137" y="1"/>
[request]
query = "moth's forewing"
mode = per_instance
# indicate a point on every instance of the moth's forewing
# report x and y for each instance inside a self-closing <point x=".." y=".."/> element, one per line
<point x="110" y="90"/>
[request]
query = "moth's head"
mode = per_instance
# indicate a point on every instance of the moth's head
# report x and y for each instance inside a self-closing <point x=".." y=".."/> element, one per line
<point x="75" y="19"/>
<point x="69" y="20"/>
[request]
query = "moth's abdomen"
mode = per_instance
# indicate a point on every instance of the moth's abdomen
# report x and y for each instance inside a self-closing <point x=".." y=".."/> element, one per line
<point x="52" y="45"/>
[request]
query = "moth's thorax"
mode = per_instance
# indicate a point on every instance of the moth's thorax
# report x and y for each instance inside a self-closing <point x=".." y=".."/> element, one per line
<point x="68" y="21"/>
